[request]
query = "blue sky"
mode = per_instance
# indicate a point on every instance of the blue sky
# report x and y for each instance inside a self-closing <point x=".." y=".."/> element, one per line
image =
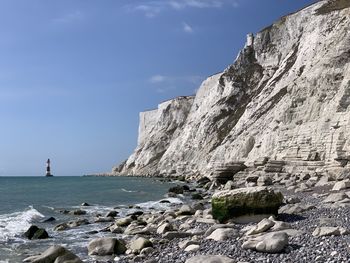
<point x="74" y="74"/>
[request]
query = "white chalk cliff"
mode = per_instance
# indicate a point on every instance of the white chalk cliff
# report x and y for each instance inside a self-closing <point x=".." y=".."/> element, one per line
<point x="286" y="97"/>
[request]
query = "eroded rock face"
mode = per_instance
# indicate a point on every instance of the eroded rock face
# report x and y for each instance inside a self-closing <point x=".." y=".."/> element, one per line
<point x="286" y="96"/>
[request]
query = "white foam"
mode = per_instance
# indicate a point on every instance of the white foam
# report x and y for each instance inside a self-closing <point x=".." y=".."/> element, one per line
<point x="128" y="191"/>
<point x="15" y="224"/>
<point x="159" y="205"/>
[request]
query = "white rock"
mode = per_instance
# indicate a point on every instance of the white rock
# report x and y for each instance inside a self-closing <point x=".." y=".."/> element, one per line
<point x="262" y="226"/>
<point x="222" y="234"/>
<point x="341" y="185"/>
<point x="268" y="243"/>
<point x="336" y="197"/>
<point x="192" y="248"/>
<point x="163" y="228"/>
<point x="329" y="231"/>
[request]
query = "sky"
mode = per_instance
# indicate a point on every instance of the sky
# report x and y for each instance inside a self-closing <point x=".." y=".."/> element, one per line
<point x="74" y="74"/>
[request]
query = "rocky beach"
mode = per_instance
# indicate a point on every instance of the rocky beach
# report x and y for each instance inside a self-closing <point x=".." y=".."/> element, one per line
<point x="310" y="224"/>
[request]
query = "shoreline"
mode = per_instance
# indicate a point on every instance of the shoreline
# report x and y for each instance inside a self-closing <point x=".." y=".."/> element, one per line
<point x="180" y="232"/>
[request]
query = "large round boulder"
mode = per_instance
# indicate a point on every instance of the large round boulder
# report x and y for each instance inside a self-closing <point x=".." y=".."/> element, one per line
<point x="245" y="204"/>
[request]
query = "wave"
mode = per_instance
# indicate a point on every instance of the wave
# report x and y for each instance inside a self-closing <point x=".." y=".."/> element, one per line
<point x="128" y="191"/>
<point x="15" y="224"/>
<point x="161" y="204"/>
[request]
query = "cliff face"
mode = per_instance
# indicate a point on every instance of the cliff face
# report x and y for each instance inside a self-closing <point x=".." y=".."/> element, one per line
<point x="157" y="130"/>
<point x="286" y="96"/>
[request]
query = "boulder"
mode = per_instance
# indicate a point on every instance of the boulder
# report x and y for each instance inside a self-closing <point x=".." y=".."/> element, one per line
<point x="261" y="227"/>
<point x="197" y="196"/>
<point x="112" y="213"/>
<point x="174" y="234"/>
<point x="78" y="212"/>
<point x="71" y="224"/>
<point x="163" y="228"/>
<point x="124" y="221"/>
<point x="238" y="203"/>
<point x="345" y="184"/>
<point x="139" y="244"/>
<point x="50" y="219"/>
<point x="106" y="246"/>
<point x="229" y="185"/>
<point x="210" y="259"/>
<point x="104" y="219"/>
<point x="223" y="172"/>
<point x="329" y="231"/>
<point x="192" y="248"/>
<point x="54" y="254"/>
<point x="116" y="229"/>
<point x="185" y="210"/>
<point x="186" y="243"/>
<point x="264" y="180"/>
<point x="222" y="234"/>
<point x="336" y="197"/>
<point x="35" y="232"/>
<point x="217" y="226"/>
<point x="268" y="243"/>
<point x="176" y="189"/>
<point x="203" y="181"/>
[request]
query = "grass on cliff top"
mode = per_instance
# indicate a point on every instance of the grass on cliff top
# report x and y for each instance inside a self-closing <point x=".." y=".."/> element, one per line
<point x="333" y="5"/>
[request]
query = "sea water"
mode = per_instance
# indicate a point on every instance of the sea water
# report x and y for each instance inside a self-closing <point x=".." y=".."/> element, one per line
<point x="29" y="200"/>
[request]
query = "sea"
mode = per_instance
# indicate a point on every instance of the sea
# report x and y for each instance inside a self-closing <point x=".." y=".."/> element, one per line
<point x="26" y="201"/>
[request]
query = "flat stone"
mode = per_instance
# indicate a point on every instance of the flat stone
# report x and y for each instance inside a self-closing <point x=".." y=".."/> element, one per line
<point x="192" y="248"/>
<point x="261" y="227"/>
<point x="222" y="234"/>
<point x="329" y="231"/>
<point x="268" y="243"/>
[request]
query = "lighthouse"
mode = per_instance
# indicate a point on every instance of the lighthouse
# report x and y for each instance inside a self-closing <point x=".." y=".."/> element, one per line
<point x="48" y="169"/>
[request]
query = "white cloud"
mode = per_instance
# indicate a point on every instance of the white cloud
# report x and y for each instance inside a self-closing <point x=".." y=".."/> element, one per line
<point x="187" y="28"/>
<point x="158" y="79"/>
<point x="153" y="8"/>
<point x="69" y="18"/>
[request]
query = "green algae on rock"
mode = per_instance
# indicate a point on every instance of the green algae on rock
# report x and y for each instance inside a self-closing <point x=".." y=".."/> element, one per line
<point x="238" y="203"/>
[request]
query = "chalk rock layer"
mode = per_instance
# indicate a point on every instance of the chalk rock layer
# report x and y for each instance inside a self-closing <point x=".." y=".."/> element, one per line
<point x="286" y="96"/>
